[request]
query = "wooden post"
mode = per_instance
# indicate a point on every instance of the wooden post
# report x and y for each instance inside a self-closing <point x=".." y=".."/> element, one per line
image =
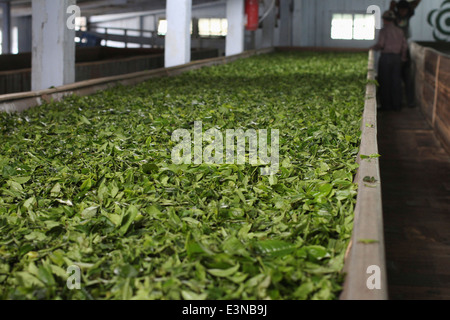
<point x="436" y="90"/>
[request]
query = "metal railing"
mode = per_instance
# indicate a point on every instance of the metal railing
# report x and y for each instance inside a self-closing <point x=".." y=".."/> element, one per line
<point x="127" y="36"/>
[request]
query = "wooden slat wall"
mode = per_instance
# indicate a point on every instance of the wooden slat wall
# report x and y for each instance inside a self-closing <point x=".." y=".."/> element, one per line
<point x="442" y="124"/>
<point x="13" y="81"/>
<point x="432" y="79"/>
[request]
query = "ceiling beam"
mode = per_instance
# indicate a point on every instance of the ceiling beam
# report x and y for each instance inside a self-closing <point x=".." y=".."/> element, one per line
<point x="100" y="7"/>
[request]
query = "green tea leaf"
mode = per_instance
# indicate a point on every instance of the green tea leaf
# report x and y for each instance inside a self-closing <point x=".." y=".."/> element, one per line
<point x="274" y="247"/>
<point x="128" y="219"/>
<point x="224" y="272"/>
<point x="89" y="213"/>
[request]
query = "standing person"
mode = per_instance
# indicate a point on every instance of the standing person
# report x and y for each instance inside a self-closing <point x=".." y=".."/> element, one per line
<point x="404" y="11"/>
<point x="393" y="47"/>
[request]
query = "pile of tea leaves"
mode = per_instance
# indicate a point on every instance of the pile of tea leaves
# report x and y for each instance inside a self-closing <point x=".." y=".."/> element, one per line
<point x="89" y="184"/>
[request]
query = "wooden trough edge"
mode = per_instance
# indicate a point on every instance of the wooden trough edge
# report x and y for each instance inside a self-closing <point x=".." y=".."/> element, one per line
<point x="365" y="263"/>
<point x="18" y="102"/>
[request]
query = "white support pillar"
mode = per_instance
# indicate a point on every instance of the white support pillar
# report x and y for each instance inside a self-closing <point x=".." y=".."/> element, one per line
<point x="236" y="27"/>
<point x="286" y="23"/>
<point x="268" y="25"/>
<point x="6" y="27"/>
<point x="178" y="37"/>
<point x="53" y="44"/>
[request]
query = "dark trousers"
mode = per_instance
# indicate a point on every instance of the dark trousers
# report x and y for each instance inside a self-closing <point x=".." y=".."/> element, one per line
<point x="390" y="81"/>
<point x="408" y="82"/>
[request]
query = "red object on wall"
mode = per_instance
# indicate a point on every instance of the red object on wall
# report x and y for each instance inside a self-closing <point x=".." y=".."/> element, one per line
<point x="252" y="12"/>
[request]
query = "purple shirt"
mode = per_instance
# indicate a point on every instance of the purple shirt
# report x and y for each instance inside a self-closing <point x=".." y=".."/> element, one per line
<point x="392" y="40"/>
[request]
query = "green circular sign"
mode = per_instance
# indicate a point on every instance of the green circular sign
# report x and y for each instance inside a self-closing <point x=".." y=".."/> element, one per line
<point x="440" y="20"/>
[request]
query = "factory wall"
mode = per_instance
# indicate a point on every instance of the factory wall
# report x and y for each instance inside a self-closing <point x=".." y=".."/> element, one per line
<point x="149" y="22"/>
<point x="150" y="19"/>
<point x="312" y="21"/>
<point x="427" y="21"/>
<point x="313" y="18"/>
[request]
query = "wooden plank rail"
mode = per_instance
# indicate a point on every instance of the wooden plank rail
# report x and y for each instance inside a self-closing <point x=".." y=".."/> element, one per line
<point x="366" y="255"/>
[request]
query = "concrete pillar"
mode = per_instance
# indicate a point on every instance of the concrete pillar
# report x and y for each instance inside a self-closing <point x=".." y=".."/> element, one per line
<point x="178" y="37"/>
<point x="6" y="27"/>
<point x="236" y="27"/>
<point x="53" y="45"/>
<point x="285" y="23"/>
<point x="24" y="33"/>
<point x="268" y="25"/>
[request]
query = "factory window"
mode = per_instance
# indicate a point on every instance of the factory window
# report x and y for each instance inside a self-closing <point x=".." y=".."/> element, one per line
<point x="14" y="41"/>
<point x="353" y="27"/>
<point x="364" y="27"/>
<point x="81" y="24"/>
<point x="212" y="27"/>
<point x="162" y="27"/>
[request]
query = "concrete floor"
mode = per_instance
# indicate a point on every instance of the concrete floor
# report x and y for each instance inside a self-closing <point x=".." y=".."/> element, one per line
<point x="415" y="177"/>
